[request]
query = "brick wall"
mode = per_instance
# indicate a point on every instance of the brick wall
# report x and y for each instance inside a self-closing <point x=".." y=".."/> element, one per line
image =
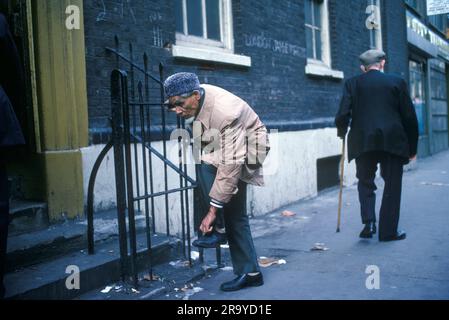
<point x="395" y="38"/>
<point x="271" y="32"/>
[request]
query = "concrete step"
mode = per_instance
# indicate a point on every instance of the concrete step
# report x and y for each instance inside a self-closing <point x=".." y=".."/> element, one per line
<point x="47" y="280"/>
<point x="27" y="216"/>
<point x="57" y="240"/>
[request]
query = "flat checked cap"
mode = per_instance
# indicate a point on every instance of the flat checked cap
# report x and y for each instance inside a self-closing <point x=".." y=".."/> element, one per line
<point x="181" y="83"/>
<point x="371" y="57"/>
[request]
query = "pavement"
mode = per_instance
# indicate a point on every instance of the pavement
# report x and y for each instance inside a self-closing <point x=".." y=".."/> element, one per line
<point x="313" y="262"/>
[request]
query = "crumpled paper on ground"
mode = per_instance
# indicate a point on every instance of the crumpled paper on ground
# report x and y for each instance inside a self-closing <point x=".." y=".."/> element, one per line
<point x="179" y="264"/>
<point x="319" y="247"/>
<point x="435" y="184"/>
<point x="191" y="292"/>
<point x="287" y="213"/>
<point x="194" y="255"/>
<point x="147" y="277"/>
<point x="267" y="262"/>
<point x="107" y="289"/>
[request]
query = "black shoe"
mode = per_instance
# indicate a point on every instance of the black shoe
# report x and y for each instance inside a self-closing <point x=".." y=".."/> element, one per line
<point x="368" y="230"/>
<point x="243" y="281"/>
<point x="400" y="235"/>
<point x="212" y="240"/>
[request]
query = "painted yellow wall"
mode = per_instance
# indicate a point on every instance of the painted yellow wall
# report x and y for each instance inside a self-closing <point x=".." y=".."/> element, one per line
<point x="59" y="56"/>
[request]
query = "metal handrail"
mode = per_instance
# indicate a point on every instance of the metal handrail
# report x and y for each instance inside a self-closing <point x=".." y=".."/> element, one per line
<point x="121" y="56"/>
<point x="165" y="160"/>
<point x="90" y="196"/>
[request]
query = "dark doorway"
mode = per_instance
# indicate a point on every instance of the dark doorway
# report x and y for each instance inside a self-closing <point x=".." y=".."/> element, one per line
<point x="327" y="172"/>
<point x="25" y="167"/>
<point x="15" y="12"/>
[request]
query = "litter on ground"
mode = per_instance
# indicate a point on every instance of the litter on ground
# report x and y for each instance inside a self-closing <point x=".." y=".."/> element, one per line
<point x="191" y="292"/>
<point x="227" y="268"/>
<point x="179" y="264"/>
<point x="287" y="213"/>
<point x="106" y="290"/>
<point x="435" y="184"/>
<point x="319" y="247"/>
<point x="194" y="255"/>
<point x="148" y="277"/>
<point x="267" y="262"/>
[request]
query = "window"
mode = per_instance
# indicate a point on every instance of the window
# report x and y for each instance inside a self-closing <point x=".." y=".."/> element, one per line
<point x="438" y="87"/>
<point x="418" y="94"/>
<point x="313" y="13"/>
<point x="204" y="32"/>
<point x="200" y="19"/>
<point x="418" y="5"/>
<point x="439" y="21"/>
<point x="374" y="24"/>
<point x="317" y="40"/>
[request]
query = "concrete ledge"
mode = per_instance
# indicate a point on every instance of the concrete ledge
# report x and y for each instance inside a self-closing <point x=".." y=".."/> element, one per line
<point x="291" y="126"/>
<point x="102" y="135"/>
<point x="211" y="55"/>
<point x="323" y="71"/>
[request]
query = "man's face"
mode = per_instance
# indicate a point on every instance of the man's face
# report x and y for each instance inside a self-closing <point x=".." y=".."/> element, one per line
<point x="185" y="107"/>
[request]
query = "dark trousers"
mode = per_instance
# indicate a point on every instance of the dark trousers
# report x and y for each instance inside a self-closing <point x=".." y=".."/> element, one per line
<point x="205" y="178"/>
<point x="235" y="218"/>
<point x="4" y="221"/>
<point x="391" y="169"/>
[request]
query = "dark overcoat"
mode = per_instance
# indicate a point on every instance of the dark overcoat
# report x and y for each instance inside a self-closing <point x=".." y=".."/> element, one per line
<point x="378" y="108"/>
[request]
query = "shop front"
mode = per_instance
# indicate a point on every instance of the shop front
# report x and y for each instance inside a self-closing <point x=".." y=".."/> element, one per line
<point x="428" y="63"/>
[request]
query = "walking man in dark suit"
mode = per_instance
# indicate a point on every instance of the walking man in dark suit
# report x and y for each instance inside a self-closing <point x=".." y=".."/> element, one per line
<point x="10" y="131"/>
<point x="384" y="129"/>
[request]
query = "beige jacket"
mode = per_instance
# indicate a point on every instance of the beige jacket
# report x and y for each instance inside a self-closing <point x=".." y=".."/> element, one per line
<point x="233" y="139"/>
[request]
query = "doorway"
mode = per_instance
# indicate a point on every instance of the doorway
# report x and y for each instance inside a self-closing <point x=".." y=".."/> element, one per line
<point x="25" y="171"/>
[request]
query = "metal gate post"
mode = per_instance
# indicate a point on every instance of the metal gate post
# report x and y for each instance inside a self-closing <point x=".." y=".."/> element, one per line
<point x="118" y="78"/>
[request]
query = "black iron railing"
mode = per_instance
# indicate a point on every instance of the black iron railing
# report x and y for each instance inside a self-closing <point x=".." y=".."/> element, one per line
<point x="137" y="101"/>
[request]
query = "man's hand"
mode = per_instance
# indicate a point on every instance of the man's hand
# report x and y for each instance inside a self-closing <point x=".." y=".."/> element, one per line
<point x="412" y="158"/>
<point x="206" y="224"/>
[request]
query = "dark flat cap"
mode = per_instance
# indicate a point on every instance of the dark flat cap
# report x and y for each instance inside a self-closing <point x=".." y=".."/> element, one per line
<point x="180" y="83"/>
<point x="371" y="57"/>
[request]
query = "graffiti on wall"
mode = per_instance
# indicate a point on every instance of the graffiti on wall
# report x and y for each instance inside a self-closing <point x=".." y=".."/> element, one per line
<point x="124" y="8"/>
<point x="277" y="46"/>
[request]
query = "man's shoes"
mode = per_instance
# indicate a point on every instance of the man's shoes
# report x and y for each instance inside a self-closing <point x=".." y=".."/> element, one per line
<point x="368" y="231"/>
<point x="400" y="235"/>
<point x="243" y="281"/>
<point x="212" y="240"/>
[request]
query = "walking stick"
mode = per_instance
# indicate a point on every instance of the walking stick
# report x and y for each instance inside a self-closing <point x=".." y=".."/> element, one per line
<point x="342" y="168"/>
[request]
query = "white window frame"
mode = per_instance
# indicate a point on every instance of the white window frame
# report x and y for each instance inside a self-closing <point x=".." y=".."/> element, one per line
<point x="314" y="29"/>
<point x="201" y="48"/>
<point x="323" y="67"/>
<point x="225" y="22"/>
<point x="377" y="32"/>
